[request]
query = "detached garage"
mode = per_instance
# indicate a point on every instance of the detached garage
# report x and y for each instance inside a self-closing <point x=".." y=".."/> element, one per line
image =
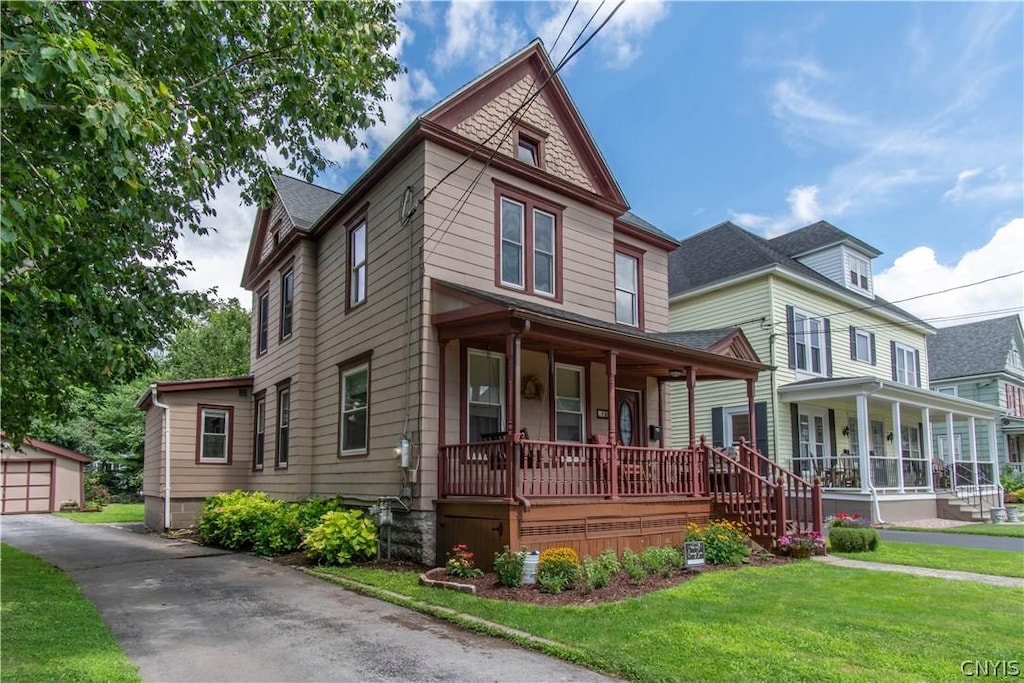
<point x="40" y="477"/>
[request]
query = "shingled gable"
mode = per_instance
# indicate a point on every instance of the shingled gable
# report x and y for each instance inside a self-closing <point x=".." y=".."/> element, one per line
<point x="978" y="348"/>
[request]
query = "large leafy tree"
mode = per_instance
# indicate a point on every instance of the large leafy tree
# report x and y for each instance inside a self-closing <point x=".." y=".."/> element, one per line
<point x="120" y="120"/>
<point x="215" y="344"/>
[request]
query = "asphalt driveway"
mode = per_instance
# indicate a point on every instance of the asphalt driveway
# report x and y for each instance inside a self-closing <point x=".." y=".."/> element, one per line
<point x="183" y="612"/>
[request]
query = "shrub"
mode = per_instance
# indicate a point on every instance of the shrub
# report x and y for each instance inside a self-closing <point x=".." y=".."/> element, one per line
<point x="633" y="566"/>
<point x="341" y="536"/>
<point x="558" y="569"/>
<point x="1020" y="495"/>
<point x="96" y="491"/>
<point x="725" y="542"/>
<point x="848" y="521"/>
<point x="801" y="544"/>
<point x="243" y="520"/>
<point x="660" y="560"/>
<point x="509" y="567"/>
<point x="460" y="563"/>
<point x="1010" y="480"/>
<point x="598" y="573"/>
<point x="852" y="540"/>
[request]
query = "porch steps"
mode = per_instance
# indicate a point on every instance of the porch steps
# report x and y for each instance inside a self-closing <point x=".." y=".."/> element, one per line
<point x="948" y="506"/>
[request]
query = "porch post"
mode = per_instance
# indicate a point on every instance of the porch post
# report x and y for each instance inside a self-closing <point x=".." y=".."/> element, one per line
<point x="661" y="413"/>
<point x="862" y="443"/>
<point x="897" y="439"/>
<point x="511" y="375"/>
<point x="442" y="385"/>
<point x="750" y="414"/>
<point x="952" y="450"/>
<point x="974" y="449"/>
<point x="613" y="470"/>
<point x="993" y="449"/>
<point x="926" y="425"/>
<point x="691" y="381"/>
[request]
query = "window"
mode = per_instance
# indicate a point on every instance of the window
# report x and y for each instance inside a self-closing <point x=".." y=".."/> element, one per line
<point x="485" y="396"/>
<point x="809" y="342"/>
<point x="357" y="264"/>
<point x="526" y="151"/>
<point x="627" y="289"/>
<point x="214" y="435"/>
<point x="854" y="437"/>
<point x="877" y="438"/>
<point x="862" y="345"/>
<point x="259" y="438"/>
<point x="569" y="409"/>
<point x="287" y="297"/>
<point x="859" y="272"/>
<point x="263" y="323"/>
<point x="528" y="241"/>
<point x="1013" y="357"/>
<point x="284" y="404"/>
<point x="737" y="425"/>
<point x="911" y="442"/>
<point x="813" y="450"/>
<point x="944" y="453"/>
<point x="905" y="365"/>
<point x="948" y="391"/>
<point x="355" y="393"/>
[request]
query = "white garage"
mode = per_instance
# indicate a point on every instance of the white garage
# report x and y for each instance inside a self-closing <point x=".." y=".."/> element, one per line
<point x="39" y="477"/>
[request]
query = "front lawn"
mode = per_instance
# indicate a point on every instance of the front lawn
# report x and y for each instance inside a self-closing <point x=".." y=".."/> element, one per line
<point x="1011" y="530"/>
<point x="114" y="512"/>
<point x="799" y="622"/>
<point x="50" y="631"/>
<point x="978" y="560"/>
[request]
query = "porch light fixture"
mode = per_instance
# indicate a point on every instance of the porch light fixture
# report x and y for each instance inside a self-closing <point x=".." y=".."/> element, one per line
<point x="888" y="437"/>
<point x="675" y="373"/>
<point x="846" y="431"/>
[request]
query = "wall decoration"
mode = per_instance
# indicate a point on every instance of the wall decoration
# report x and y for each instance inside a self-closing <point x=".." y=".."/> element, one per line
<point x="533" y="390"/>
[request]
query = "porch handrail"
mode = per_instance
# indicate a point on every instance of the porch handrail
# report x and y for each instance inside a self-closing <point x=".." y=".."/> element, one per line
<point x="804" y="509"/>
<point x="743" y="492"/>
<point x="982" y="496"/>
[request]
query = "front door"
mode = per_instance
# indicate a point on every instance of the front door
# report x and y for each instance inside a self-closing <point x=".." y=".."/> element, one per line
<point x="628" y="423"/>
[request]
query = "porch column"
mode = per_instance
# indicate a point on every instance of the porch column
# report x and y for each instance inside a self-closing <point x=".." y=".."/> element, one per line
<point x="993" y="449"/>
<point x="511" y="393"/>
<point x="897" y="439"/>
<point x="926" y="425"/>
<point x="862" y="443"/>
<point x="611" y="367"/>
<point x="974" y="449"/>
<point x="691" y="409"/>
<point x="442" y="386"/>
<point x="952" y="450"/>
<point x="661" y="413"/>
<point x="750" y="414"/>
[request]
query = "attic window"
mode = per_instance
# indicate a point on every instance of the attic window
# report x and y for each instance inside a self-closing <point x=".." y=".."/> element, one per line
<point x="527" y="151"/>
<point x="859" y="273"/>
<point x="275" y="233"/>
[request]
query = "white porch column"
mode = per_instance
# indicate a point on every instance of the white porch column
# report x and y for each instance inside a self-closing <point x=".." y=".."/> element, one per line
<point x="897" y="440"/>
<point x="862" y="443"/>
<point x="993" y="448"/>
<point x="926" y="425"/>
<point x="974" y="449"/>
<point x="952" y="450"/>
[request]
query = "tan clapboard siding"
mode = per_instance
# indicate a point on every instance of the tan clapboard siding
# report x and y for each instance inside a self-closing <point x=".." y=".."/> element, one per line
<point x="153" y="455"/>
<point x="379" y="326"/>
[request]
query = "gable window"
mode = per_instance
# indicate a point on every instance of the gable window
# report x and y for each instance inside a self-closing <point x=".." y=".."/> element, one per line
<point x="284" y="408"/>
<point x="809" y="342"/>
<point x="859" y="272"/>
<point x="355" y="394"/>
<point x="526" y="151"/>
<point x="1014" y="356"/>
<point x="862" y="345"/>
<point x="906" y="368"/>
<point x="357" y="264"/>
<point x="259" y="437"/>
<point x="628" y="278"/>
<point x="485" y="396"/>
<point x="569" y="409"/>
<point x="948" y="391"/>
<point x="287" y="300"/>
<point x="263" y="322"/>
<point x="214" y="443"/>
<point x="528" y="240"/>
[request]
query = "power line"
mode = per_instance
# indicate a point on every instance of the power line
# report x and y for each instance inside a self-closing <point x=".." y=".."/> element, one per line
<point x="564" y="24"/>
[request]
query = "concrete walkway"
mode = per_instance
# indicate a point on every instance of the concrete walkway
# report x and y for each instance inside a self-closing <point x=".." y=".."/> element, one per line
<point x="1008" y="581"/>
<point x="956" y="540"/>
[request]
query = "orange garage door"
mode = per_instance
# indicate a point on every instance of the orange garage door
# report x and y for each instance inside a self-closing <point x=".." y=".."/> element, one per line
<point x="27" y="486"/>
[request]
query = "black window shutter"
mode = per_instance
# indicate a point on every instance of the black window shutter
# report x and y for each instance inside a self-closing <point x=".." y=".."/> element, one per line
<point x="853" y="342"/>
<point x="832" y="432"/>
<point x="917" y="363"/>
<point x="828" y="348"/>
<point x="794" y="427"/>
<point x="717" y="428"/>
<point x="892" y="355"/>
<point x="874" y="357"/>
<point x="761" y="425"/>
<point x="790" y="336"/>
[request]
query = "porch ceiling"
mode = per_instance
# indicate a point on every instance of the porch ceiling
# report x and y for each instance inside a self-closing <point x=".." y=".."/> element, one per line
<point x="489" y="320"/>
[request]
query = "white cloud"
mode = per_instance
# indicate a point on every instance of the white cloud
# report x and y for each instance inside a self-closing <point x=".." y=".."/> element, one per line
<point x="918" y="271"/>
<point x="992" y="186"/>
<point x="804" y="209"/>
<point x="475" y="32"/>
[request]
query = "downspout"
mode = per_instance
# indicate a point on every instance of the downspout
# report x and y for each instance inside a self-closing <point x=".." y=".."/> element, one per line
<point x="167" y="456"/>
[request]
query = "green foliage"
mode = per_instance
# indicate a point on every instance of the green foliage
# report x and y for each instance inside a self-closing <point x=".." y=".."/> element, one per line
<point x="508" y="566"/>
<point x="558" y="569"/>
<point x="725" y="542"/>
<point x="214" y="344"/>
<point x="121" y="121"/>
<point x="597" y="573"/>
<point x="460" y="563"/>
<point x="243" y="520"/>
<point x="661" y="560"/>
<point x="634" y="566"/>
<point x="1011" y="480"/>
<point x="342" y="536"/>
<point x="96" y="492"/>
<point x="852" y="539"/>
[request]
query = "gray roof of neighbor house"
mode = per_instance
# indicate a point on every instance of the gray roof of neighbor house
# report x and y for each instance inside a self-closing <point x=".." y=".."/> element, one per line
<point x="304" y="202"/>
<point x="726" y="251"/>
<point x="972" y="349"/>
<point x="817" y="236"/>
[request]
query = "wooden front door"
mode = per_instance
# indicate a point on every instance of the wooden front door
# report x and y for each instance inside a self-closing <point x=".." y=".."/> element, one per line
<point x="629" y="424"/>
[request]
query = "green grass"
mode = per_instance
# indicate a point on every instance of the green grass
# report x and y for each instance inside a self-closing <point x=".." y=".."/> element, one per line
<point x="799" y="622"/>
<point x="1011" y="530"/>
<point x="50" y="631"/>
<point x="980" y="561"/>
<point x="115" y="512"/>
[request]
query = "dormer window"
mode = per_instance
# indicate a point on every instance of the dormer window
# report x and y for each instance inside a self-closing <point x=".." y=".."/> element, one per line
<point x="859" y="273"/>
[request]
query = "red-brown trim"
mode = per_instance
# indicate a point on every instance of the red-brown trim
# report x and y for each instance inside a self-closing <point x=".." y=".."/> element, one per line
<point x="199" y="433"/>
<point x="53" y="449"/>
<point x="284" y="385"/>
<point x="28" y="486"/>
<point x="193" y="385"/>
<point x="361" y="218"/>
<point x="584" y="365"/>
<point x="530" y="202"/>
<point x="532" y="136"/>
<point x="263" y="291"/>
<point x="287" y="270"/>
<point x="644" y="236"/>
<point x="259" y="230"/>
<point x="344" y="366"/>
<point x="638" y="254"/>
<point x="283" y="252"/>
<point x="256" y="398"/>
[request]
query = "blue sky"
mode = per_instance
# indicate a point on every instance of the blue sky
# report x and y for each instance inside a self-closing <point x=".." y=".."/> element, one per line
<point x="901" y="123"/>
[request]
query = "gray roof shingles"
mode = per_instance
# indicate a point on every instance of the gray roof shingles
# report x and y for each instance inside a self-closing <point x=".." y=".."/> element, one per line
<point x="817" y="236"/>
<point x="305" y="203"/>
<point x="973" y="349"/>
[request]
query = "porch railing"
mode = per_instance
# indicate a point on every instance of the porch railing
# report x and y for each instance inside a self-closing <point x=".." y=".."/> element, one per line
<point x="976" y="484"/>
<point x="797" y="502"/>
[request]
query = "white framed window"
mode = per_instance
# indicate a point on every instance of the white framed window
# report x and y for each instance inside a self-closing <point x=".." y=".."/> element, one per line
<point x="513" y="216"/>
<point x="906" y="364"/>
<point x="809" y="343"/>
<point x="948" y="391"/>
<point x="627" y="290"/>
<point x="259" y="440"/>
<point x="862" y="346"/>
<point x="944" y="452"/>
<point x="215" y="435"/>
<point x="284" y="406"/>
<point x="1013" y="358"/>
<point x="859" y="273"/>
<point x="736" y="424"/>
<point x="485" y="395"/>
<point x="569" y="403"/>
<point x="911" y="442"/>
<point x="355" y="394"/>
<point x="263" y="323"/>
<point x="813" y="449"/>
<point x="877" y="439"/>
<point x="287" y="303"/>
<point x="543" y="252"/>
<point x="357" y="265"/>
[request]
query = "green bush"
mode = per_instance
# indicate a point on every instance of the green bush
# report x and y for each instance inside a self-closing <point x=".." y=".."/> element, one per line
<point x="243" y="520"/>
<point x="341" y="536"/>
<point x="725" y="542"/>
<point x="634" y="566"/>
<point x="852" y="540"/>
<point x="661" y="560"/>
<point x="508" y="566"/>
<point x="1010" y="480"/>
<point x="558" y="569"/>
<point x="597" y="573"/>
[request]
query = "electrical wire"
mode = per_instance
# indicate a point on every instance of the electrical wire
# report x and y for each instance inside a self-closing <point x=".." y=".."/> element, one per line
<point x="564" y="24"/>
